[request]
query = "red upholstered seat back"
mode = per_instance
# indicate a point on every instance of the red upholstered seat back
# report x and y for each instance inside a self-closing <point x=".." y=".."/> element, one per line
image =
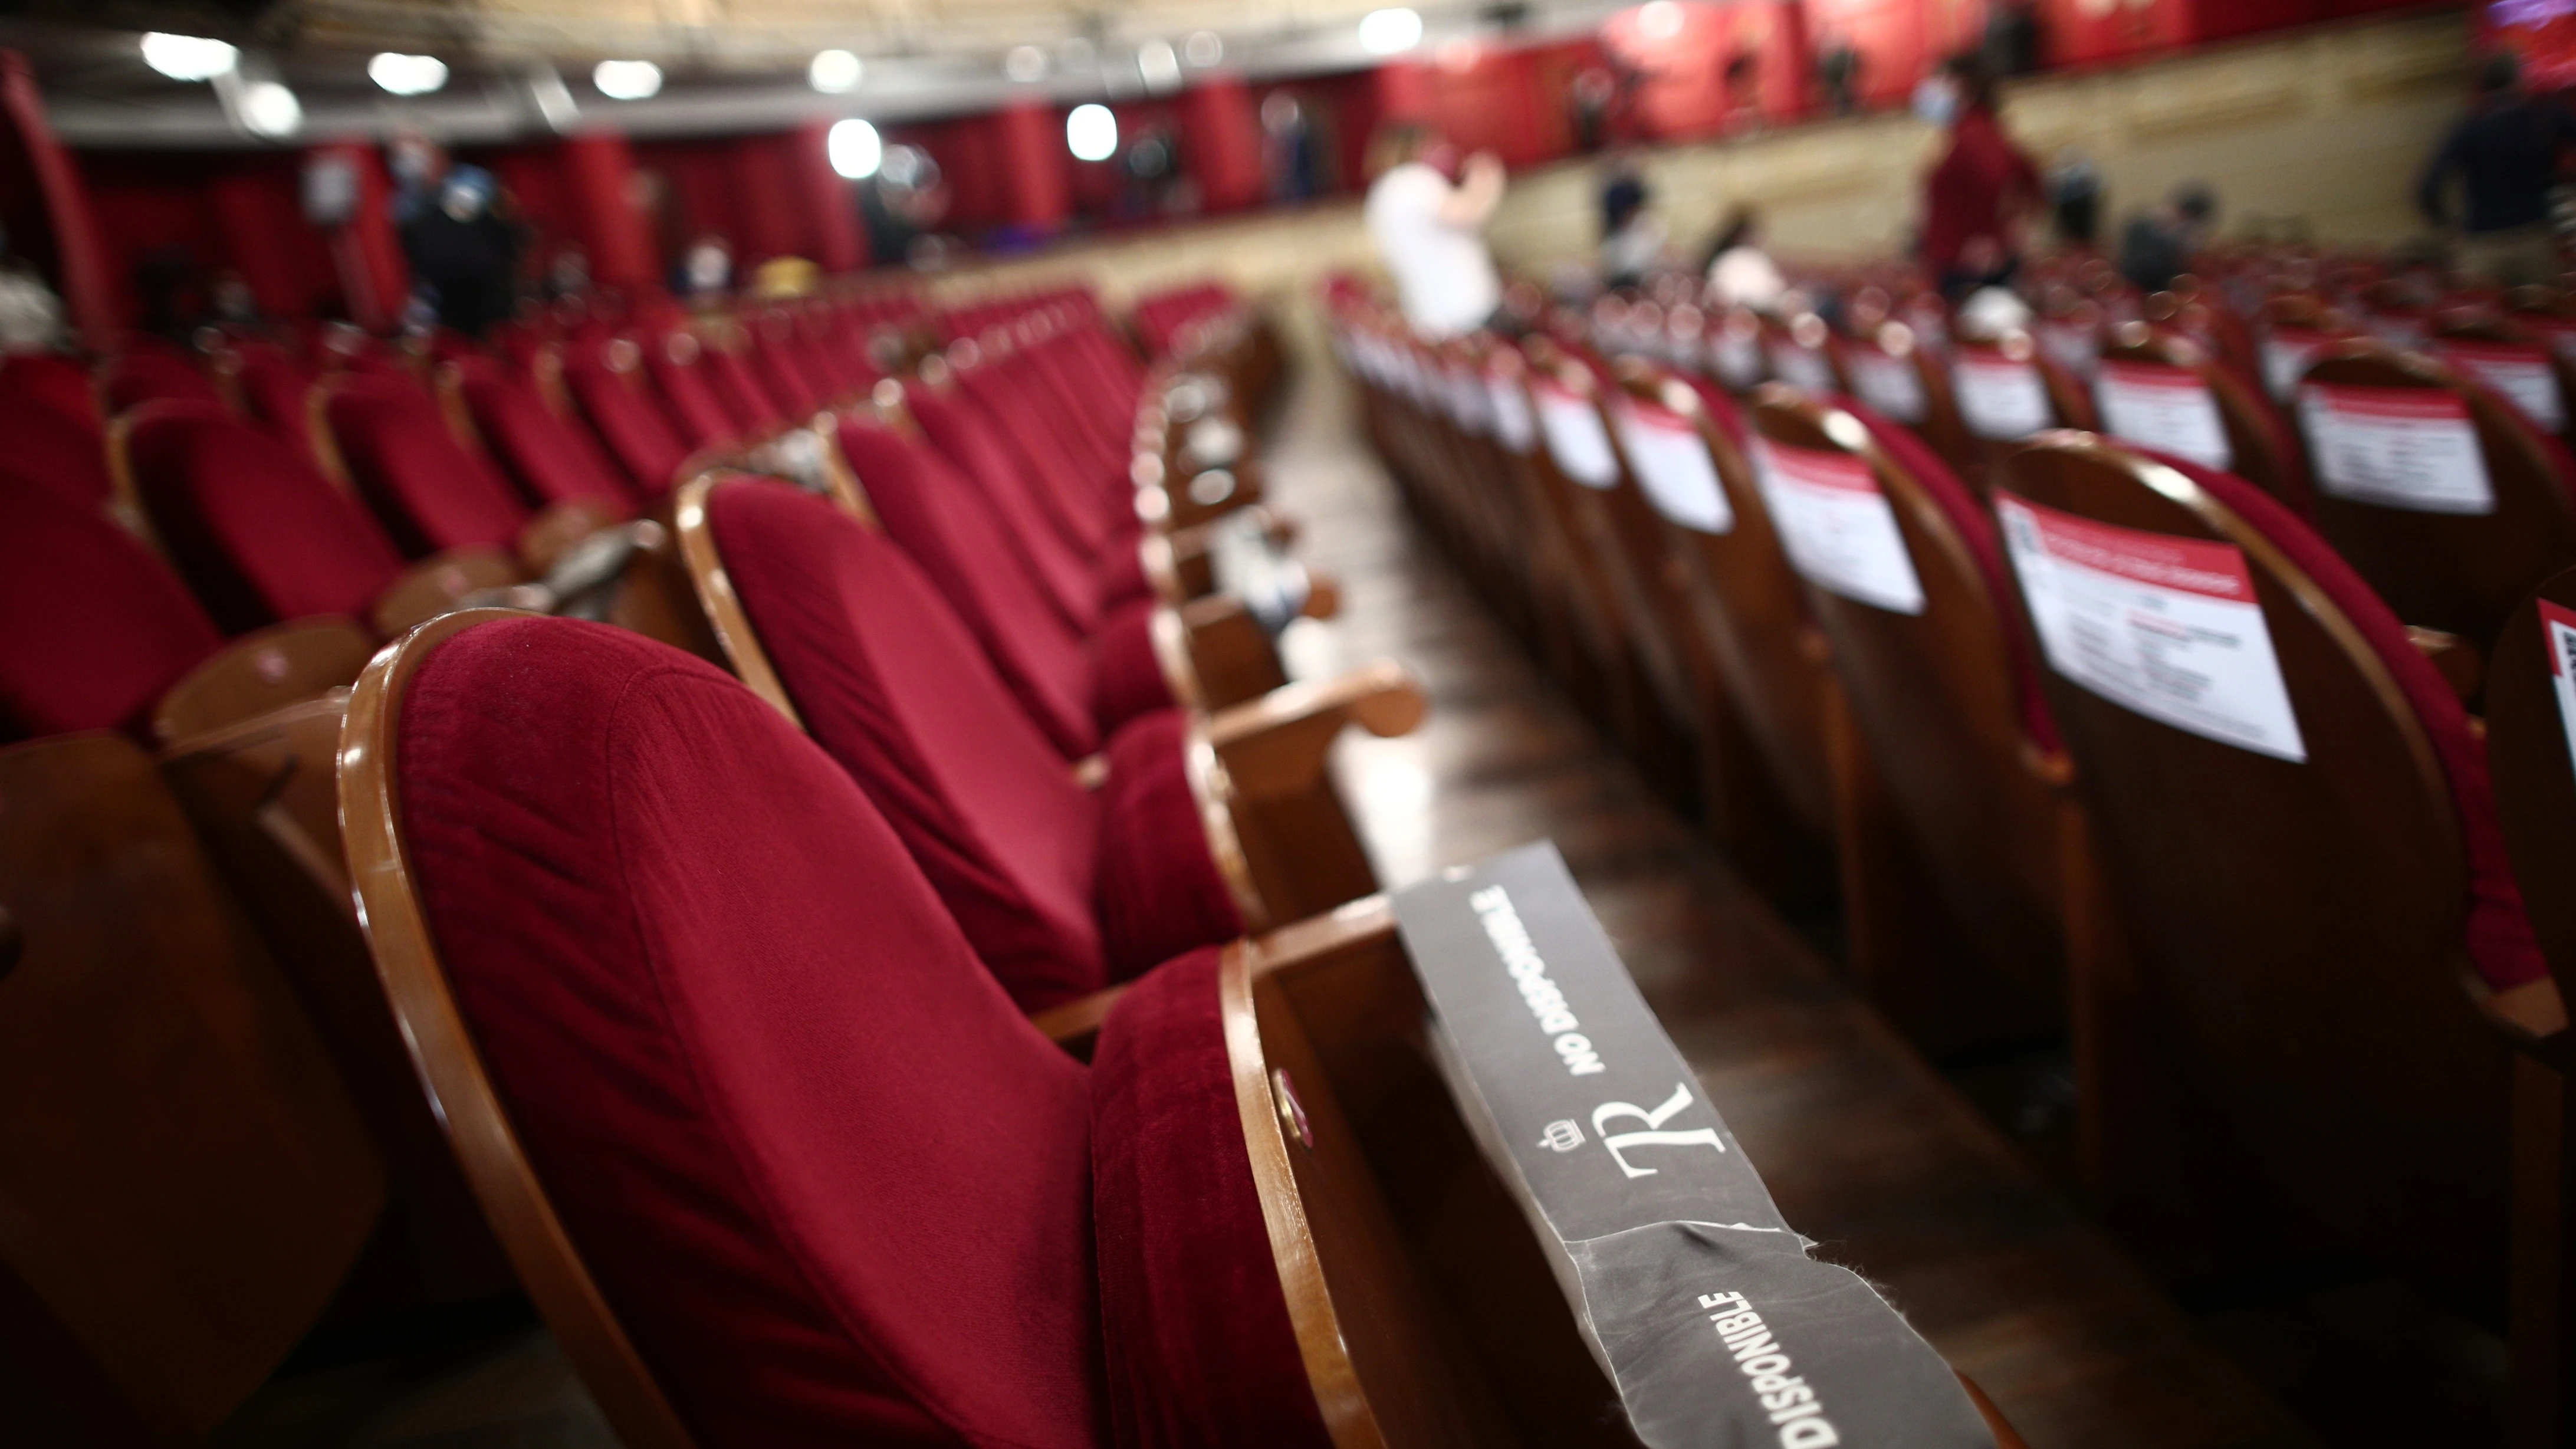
<point x="92" y="627"/>
<point x="897" y="690"/>
<point x="2500" y="942"/>
<point x="678" y="368"/>
<point x="550" y="458"/>
<point x="752" y="406"/>
<point x="259" y="533"/>
<point x="275" y="387"/>
<point x="643" y="440"/>
<point x="943" y="523"/>
<point x="963" y="432"/>
<point x="153" y="375"/>
<point x="46" y="446"/>
<point x="831" y="1182"/>
<point x="1018" y="407"/>
<point x="54" y="382"/>
<point x="430" y="491"/>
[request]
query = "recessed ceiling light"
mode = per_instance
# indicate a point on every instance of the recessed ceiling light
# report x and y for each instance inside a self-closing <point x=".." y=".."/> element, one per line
<point x="627" y="80"/>
<point x="271" y="110"/>
<point x="1660" y="19"/>
<point x="834" y="71"/>
<point x="1203" y="48"/>
<point x="1388" y="32"/>
<point x="407" y="75"/>
<point x="188" y="57"/>
<point x="1025" y="63"/>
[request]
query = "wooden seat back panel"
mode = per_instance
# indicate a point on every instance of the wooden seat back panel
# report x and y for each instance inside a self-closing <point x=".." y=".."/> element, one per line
<point x="186" y="1179"/>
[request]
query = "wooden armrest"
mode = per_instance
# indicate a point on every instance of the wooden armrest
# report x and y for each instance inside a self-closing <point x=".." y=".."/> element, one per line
<point x="262" y="671"/>
<point x="1274" y="746"/>
<point x="549" y="535"/>
<point x="1358" y="925"/>
<point x="2533" y="1016"/>
<point x="2460" y="666"/>
<point x="435" y="585"/>
<point x="2005" y="1436"/>
<point x="1075" y="1025"/>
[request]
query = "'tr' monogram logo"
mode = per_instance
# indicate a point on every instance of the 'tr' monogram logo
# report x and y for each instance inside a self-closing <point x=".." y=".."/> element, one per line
<point x="1653" y="1135"/>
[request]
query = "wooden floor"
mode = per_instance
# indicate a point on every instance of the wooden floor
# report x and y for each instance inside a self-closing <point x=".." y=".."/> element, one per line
<point x="1867" y="1150"/>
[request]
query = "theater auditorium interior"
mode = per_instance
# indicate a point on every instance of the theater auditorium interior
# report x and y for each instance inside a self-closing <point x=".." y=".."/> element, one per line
<point x="1539" y="723"/>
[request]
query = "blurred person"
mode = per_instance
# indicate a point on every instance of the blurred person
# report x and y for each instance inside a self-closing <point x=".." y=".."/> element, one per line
<point x="2013" y="42"/>
<point x="1838" y="70"/>
<point x="464" y="253"/>
<point x="1632" y="236"/>
<point x="706" y="268"/>
<point x="2075" y="199"/>
<point x="2159" y="245"/>
<point x="1979" y="195"/>
<point x="1740" y="272"/>
<point x="2505" y="152"/>
<point x="1430" y="233"/>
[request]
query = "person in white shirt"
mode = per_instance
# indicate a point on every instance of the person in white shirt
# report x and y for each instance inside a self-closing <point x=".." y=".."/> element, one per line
<point x="1740" y="273"/>
<point x="1431" y="234"/>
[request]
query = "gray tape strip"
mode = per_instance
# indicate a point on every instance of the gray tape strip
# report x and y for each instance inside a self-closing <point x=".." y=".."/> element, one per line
<point x="1700" y="1302"/>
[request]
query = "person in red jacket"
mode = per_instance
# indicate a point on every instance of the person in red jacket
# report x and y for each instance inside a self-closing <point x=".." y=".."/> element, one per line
<point x="1977" y="199"/>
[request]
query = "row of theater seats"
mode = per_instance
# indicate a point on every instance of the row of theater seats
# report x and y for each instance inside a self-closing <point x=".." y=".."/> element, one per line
<point x="780" y="900"/>
<point x="2112" y="707"/>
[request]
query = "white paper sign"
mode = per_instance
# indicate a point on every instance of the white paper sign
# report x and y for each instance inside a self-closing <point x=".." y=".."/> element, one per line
<point x="1891" y="386"/>
<point x="1999" y="398"/>
<point x="2166" y="408"/>
<point x="1840" y="532"/>
<point x="2523" y="374"/>
<point x="1511" y="412"/>
<point x="1673" y="465"/>
<point x="2168" y="627"/>
<point x="1575" y="437"/>
<point x="1734" y="358"/>
<point x="1803" y="368"/>
<point x="2558" y="629"/>
<point x="2398" y="447"/>
<point x="2286" y="354"/>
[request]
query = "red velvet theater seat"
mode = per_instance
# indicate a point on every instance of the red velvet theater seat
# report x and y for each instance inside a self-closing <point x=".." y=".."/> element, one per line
<point x="153" y="375"/>
<point x="550" y="458"/>
<point x="677" y="364"/>
<point x="257" y="531"/>
<point x="50" y="447"/>
<point x="430" y="492"/>
<point x="55" y="382"/>
<point x="1059" y="888"/>
<point x="840" y="1190"/>
<point x="92" y="627"/>
<point x="604" y="380"/>
<point x="1076" y="689"/>
<point x="1032" y="522"/>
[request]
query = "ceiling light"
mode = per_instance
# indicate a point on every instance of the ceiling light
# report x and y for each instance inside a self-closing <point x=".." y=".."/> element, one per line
<point x="1159" y="64"/>
<point x="627" y="80"/>
<point x="1660" y="19"/>
<point x="855" y="148"/>
<point x="188" y="57"/>
<point x="407" y="75"/>
<point x="1203" y="48"/>
<point x="1390" y="32"/>
<point x="1091" y="133"/>
<point x="834" y="71"/>
<point x="1025" y="63"/>
<point x="271" y="110"/>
